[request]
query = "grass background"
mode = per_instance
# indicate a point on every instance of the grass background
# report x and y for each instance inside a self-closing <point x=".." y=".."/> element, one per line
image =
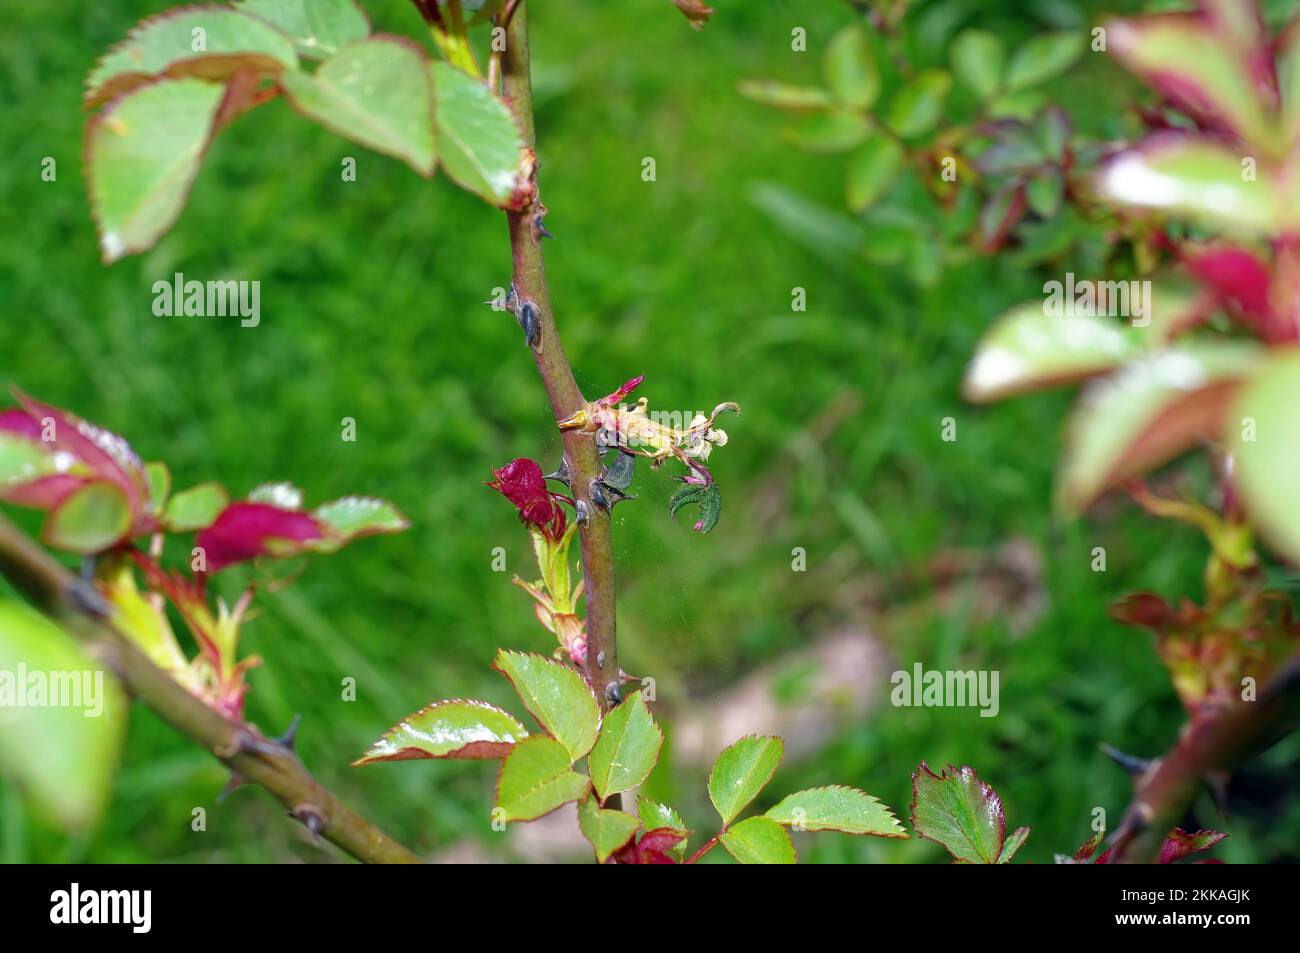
<point x="370" y="310"/>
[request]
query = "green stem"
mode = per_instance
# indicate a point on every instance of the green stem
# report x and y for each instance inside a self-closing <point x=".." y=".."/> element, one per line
<point x="561" y="388"/>
<point x="77" y="605"/>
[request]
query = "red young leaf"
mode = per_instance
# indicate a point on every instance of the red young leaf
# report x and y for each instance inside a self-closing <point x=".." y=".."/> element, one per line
<point x="1177" y="846"/>
<point x="65" y="455"/>
<point x="1180" y="844"/>
<point x="695" y="11"/>
<point x="1239" y="281"/>
<point x="246" y="530"/>
<point x="1089" y="847"/>
<point x="652" y="848"/>
<point x="522" y="483"/>
<point x="108" y="456"/>
<point x="611" y="400"/>
<point x="1144" y="609"/>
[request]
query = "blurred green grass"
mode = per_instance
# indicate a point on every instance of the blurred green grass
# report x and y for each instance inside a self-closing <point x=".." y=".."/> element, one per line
<point x="371" y="309"/>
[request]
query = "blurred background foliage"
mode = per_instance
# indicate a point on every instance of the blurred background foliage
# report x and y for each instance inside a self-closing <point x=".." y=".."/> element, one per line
<point x="944" y="553"/>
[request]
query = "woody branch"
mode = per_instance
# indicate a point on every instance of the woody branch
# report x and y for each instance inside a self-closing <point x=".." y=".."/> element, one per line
<point x="251" y="756"/>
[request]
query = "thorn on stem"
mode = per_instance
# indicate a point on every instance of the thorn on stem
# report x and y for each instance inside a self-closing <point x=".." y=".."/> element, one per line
<point x="82" y="595"/>
<point x="606" y="496"/>
<point x="530" y="320"/>
<point x="1134" y="765"/>
<point x="311" y="817"/>
<point x="540" y="231"/>
<point x="290" y="737"/>
<point x="248" y="740"/>
<point x="561" y="473"/>
<point x="233" y="784"/>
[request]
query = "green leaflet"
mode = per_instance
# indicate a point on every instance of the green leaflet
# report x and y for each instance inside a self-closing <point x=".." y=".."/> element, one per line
<point x="536" y="778"/>
<point x="206" y="42"/>
<point x="759" y="840"/>
<point x="607" y="831"/>
<point x="627" y="749"/>
<point x="836" y="808"/>
<point x="964" y="814"/>
<point x="61" y="757"/>
<point x="143" y="153"/>
<point x="478" y="141"/>
<point x="318" y="28"/>
<point x="196" y="507"/>
<point x="557" y="696"/>
<point x="375" y="92"/>
<point x="741" y="771"/>
<point x="449" y="729"/>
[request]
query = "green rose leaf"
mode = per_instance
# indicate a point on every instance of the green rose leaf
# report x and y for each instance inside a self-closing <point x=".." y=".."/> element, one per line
<point x="356" y="516"/>
<point x="90" y="520"/>
<point x="23" y="460"/>
<point x="627" y="749"/>
<point x="1265" y="428"/>
<point x="536" y="778"/>
<point x="160" y="485"/>
<point x="375" y="92"/>
<point x="872" y="169"/>
<point x="783" y="96"/>
<point x="1030" y="348"/>
<point x="1013" y="844"/>
<point x="836" y="808"/>
<point x="449" y="729"/>
<point x="850" y="68"/>
<point x="142" y="155"/>
<point x="978" y="58"/>
<point x="759" y="840"/>
<point x="707" y="498"/>
<point x="830" y="132"/>
<point x="962" y="813"/>
<point x="1189" y="61"/>
<point x="918" y="106"/>
<point x="741" y="771"/>
<point x="61" y="756"/>
<point x="1288" y="78"/>
<point x="1045" y="193"/>
<point x="285" y="495"/>
<point x="1198" y="180"/>
<point x="656" y="816"/>
<point x="607" y="831"/>
<point x="318" y="28"/>
<point x="196" y="508"/>
<point x="557" y="696"/>
<point x="478" y="140"/>
<point x="205" y="42"/>
<point x="1148" y="412"/>
<point x="1043" y="58"/>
